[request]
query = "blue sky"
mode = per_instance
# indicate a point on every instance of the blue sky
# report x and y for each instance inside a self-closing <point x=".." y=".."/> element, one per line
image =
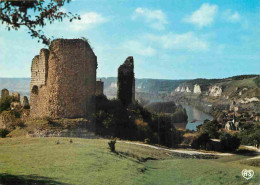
<point x="169" y="39"/>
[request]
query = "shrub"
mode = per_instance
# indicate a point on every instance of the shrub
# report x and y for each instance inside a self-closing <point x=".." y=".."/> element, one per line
<point x="180" y="115"/>
<point x="250" y="135"/>
<point x="167" y="133"/>
<point x="189" y="138"/>
<point x="3" y="132"/>
<point x="17" y="114"/>
<point x="211" y="127"/>
<point x="5" y="103"/>
<point x="112" y="145"/>
<point x="162" y="107"/>
<point x="229" y="142"/>
<point x="201" y="141"/>
<point x="147" y="141"/>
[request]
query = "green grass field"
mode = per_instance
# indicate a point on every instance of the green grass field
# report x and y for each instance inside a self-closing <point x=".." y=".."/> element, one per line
<point x="89" y="161"/>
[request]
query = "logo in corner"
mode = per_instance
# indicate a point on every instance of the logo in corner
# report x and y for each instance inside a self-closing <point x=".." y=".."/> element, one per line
<point x="247" y="174"/>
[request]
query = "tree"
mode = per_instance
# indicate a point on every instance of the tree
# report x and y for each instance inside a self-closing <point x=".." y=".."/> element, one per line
<point x="15" y="14"/>
<point x="5" y="103"/>
<point x="210" y="127"/>
<point x="229" y="142"/>
<point x="201" y="141"/>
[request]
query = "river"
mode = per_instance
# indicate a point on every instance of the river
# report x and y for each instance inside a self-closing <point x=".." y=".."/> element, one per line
<point x="195" y="118"/>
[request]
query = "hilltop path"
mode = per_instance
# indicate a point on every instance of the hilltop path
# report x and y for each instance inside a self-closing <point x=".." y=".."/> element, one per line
<point x="189" y="152"/>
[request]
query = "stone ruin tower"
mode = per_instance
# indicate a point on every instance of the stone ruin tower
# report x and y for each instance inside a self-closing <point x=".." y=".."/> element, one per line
<point x="126" y="82"/>
<point x="63" y="80"/>
<point x="4" y="93"/>
<point x="99" y="87"/>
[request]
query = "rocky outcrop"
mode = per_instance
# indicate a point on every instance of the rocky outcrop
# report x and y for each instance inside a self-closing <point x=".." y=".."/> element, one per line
<point x="188" y="90"/>
<point x="215" y="90"/>
<point x="197" y="89"/>
<point x="178" y="89"/>
<point x="183" y="89"/>
<point x="248" y="100"/>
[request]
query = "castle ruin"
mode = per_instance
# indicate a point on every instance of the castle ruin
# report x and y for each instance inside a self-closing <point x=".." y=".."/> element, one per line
<point x="63" y="80"/>
<point x="99" y="87"/>
<point x="4" y="93"/>
<point x="126" y="82"/>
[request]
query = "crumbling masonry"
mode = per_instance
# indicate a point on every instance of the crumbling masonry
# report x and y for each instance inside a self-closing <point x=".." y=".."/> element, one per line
<point x="126" y="82"/>
<point x="63" y="80"/>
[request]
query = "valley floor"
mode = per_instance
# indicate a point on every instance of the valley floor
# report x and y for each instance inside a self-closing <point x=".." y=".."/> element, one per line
<point x="89" y="161"/>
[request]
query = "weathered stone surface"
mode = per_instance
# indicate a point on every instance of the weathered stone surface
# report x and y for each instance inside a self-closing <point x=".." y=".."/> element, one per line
<point x="183" y="89"/>
<point x="249" y="100"/>
<point x="4" y="93"/>
<point x="178" y="89"/>
<point x="197" y="89"/>
<point x="39" y="69"/>
<point x="215" y="91"/>
<point x="188" y="90"/>
<point x="16" y="96"/>
<point x="99" y="87"/>
<point x="25" y="102"/>
<point x="67" y="86"/>
<point x="126" y="82"/>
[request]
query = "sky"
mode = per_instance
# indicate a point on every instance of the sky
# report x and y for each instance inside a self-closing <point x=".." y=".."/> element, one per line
<point x="169" y="39"/>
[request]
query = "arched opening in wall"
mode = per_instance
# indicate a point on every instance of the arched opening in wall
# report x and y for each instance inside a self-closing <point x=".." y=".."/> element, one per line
<point x="35" y="89"/>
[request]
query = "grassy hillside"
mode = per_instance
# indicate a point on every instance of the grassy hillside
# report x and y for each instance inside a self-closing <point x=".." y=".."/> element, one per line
<point x="88" y="161"/>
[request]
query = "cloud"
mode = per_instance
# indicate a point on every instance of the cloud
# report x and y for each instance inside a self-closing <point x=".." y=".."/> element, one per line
<point x="204" y="16"/>
<point x="87" y="21"/>
<point x="231" y="16"/>
<point x="135" y="47"/>
<point x="186" y="41"/>
<point x="155" y="18"/>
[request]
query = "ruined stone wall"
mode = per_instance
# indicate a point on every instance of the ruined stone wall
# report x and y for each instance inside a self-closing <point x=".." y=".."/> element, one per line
<point x="70" y="81"/>
<point x="39" y="69"/>
<point x="99" y="87"/>
<point x="4" y="93"/>
<point x="126" y="82"/>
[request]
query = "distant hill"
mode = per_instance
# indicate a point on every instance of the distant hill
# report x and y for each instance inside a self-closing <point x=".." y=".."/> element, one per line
<point x="22" y="85"/>
<point x="151" y="86"/>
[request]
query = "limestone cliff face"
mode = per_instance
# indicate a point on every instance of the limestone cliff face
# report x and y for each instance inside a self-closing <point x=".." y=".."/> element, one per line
<point x="188" y="89"/>
<point x="183" y="89"/>
<point x="215" y="91"/>
<point x="249" y="100"/>
<point x="197" y="89"/>
<point x="178" y="89"/>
